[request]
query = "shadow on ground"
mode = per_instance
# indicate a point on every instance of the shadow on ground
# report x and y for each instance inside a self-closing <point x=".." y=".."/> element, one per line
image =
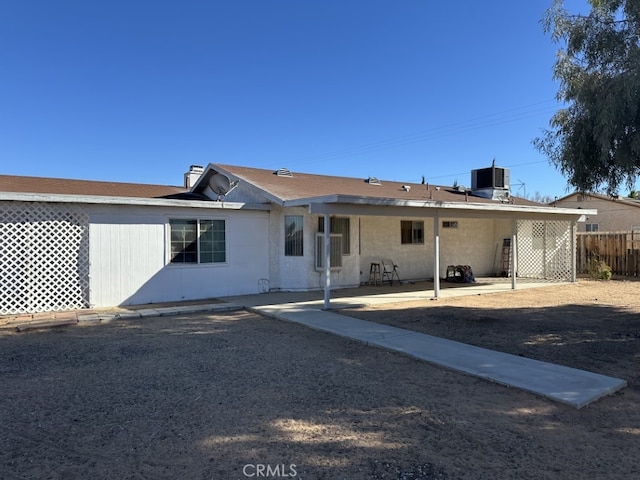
<point x="215" y="396"/>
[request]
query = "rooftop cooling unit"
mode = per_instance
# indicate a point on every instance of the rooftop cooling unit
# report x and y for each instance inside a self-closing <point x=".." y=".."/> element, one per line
<point x="492" y="177"/>
<point x="492" y="182"/>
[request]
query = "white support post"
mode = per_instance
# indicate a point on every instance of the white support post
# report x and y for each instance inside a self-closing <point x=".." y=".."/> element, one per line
<point x="327" y="261"/>
<point x="514" y="252"/>
<point x="436" y="256"/>
<point x="574" y="246"/>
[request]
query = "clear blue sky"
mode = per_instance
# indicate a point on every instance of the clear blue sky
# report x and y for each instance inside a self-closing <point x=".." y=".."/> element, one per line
<point x="138" y="90"/>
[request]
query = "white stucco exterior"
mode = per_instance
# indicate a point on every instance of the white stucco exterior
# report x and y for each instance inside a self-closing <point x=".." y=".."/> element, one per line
<point x="129" y="259"/>
<point x="120" y="254"/>
<point x="474" y="242"/>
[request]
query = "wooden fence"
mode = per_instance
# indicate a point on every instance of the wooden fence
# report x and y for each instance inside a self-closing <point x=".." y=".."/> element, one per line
<point x="619" y="250"/>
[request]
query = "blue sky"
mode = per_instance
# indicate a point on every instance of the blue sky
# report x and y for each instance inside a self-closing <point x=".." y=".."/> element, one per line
<point x="138" y="90"/>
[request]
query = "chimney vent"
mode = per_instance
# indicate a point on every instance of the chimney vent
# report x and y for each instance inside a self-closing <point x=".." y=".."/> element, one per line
<point x="192" y="176"/>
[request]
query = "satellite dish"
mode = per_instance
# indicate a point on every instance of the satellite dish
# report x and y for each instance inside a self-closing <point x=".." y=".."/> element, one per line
<point x="220" y="184"/>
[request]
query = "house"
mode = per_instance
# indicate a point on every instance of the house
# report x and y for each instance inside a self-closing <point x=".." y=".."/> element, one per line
<point x="69" y="244"/>
<point x="232" y="230"/>
<point x="615" y="214"/>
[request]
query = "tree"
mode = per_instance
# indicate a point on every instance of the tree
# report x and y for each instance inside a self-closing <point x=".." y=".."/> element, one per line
<point x="540" y="198"/>
<point x="595" y="140"/>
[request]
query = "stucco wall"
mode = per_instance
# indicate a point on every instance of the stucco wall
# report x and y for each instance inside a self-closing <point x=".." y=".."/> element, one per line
<point x="474" y="242"/>
<point x="613" y="216"/>
<point x="298" y="273"/>
<point x="130" y="261"/>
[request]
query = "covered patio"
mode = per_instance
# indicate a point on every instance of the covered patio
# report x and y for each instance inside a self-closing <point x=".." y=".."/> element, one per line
<point x="542" y="239"/>
<point x="380" y="294"/>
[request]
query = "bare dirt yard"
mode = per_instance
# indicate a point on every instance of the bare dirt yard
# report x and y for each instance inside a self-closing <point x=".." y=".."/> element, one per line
<point x="237" y="396"/>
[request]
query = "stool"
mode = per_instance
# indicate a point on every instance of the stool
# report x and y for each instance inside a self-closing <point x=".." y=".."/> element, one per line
<point x="375" y="276"/>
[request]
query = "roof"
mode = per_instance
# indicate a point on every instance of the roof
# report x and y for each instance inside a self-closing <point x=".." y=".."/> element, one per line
<point x="63" y="186"/>
<point x="300" y="186"/>
<point x="631" y="202"/>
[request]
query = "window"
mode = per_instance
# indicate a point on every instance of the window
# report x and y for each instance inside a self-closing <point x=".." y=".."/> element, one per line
<point x="198" y="241"/>
<point x="411" y="232"/>
<point x="335" y="249"/>
<point x="591" y="227"/>
<point x="341" y="226"/>
<point x="293" y="236"/>
<point x="448" y="224"/>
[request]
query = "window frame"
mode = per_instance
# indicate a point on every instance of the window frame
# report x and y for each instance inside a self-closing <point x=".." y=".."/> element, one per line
<point x="416" y="229"/>
<point x="294" y="247"/>
<point x="199" y="241"/>
<point x="338" y="226"/>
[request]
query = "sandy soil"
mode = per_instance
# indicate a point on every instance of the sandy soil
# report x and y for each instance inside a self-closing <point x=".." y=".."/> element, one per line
<point x="236" y="396"/>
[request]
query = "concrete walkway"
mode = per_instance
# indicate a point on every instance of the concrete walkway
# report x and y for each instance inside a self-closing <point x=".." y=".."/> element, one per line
<point x="569" y="386"/>
<point x="563" y="384"/>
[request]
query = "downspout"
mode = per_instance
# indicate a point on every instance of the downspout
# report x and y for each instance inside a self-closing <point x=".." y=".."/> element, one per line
<point x="436" y="256"/>
<point x="327" y="262"/>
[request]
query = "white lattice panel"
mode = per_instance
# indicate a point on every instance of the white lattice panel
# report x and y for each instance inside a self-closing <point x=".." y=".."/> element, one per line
<point x="44" y="257"/>
<point x="545" y="250"/>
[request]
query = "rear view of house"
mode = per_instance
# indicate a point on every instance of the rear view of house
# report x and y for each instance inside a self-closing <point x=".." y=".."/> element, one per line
<point x="232" y="230"/>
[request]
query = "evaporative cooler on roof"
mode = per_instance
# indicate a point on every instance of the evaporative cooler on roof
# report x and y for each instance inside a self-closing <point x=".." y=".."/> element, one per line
<point x="492" y="182"/>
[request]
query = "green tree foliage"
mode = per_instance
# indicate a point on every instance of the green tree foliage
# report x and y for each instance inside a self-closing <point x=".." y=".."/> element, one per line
<point x="595" y="139"/>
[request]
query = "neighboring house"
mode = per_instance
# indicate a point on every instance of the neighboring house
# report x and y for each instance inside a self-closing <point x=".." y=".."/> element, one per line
<point x="614" y="214"/>
<point x="235" y="230"/>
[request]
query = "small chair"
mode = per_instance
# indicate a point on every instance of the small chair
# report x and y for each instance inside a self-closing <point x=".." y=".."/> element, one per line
<point x="389" y="270"/>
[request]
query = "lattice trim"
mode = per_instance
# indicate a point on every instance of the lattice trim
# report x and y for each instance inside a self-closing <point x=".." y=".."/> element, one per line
<point x="545" y="250"/>
<point x="44" y="259"/>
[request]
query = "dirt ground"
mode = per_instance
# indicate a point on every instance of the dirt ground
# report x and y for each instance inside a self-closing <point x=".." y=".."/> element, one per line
<point x="236" y="396"/>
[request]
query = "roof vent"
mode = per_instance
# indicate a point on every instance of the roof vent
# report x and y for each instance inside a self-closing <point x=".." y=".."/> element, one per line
<point x="283" y="172"/>
<point x="373" y="181"/>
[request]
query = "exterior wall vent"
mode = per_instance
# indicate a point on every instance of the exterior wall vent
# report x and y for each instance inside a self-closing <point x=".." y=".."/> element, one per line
<point x="283" y="172"/>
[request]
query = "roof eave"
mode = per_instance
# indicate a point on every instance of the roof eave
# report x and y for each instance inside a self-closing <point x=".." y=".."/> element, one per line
<point x="314" y="202"/>
<point x="113" y="200"/>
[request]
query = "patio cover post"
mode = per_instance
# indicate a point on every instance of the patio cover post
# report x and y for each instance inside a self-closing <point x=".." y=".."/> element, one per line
<point x="436" y="256"/>
<point x="327" y="261"/>
<point x="514" y="252"/>
<point x="574" y="243"/>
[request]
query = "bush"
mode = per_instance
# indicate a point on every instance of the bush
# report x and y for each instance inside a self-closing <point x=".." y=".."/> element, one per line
<point x="598" y="270"/>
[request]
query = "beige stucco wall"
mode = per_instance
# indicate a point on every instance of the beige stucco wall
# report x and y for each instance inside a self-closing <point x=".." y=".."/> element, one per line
<point x="613" y="215"/>
<point x="475" y="242"/>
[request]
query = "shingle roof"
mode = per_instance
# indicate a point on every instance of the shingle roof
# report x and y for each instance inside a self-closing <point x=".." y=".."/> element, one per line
<point x="632" y="202"/>
<point x="304" y="185"/>
<point x="62" y="186"/>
